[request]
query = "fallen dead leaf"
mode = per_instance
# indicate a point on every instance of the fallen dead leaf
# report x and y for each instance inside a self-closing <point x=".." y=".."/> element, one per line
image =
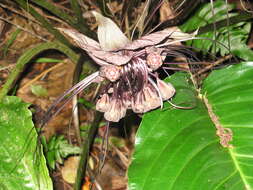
<point x="69" y="169"/>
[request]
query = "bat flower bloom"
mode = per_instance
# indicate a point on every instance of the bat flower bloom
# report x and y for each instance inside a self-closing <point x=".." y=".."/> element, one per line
<point x="128" y="66"/>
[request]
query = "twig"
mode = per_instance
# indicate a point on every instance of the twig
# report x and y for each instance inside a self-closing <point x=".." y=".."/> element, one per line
<point x="24" y="29"/>
<point x="62" y="5"/>
<point x="31" y="18"/>
<point x="18" y="13"/>
<point x="97" y="185"/>
<point x="1" y="26"/>
<point x="243" y="16"/>
<point x="212" y="65"/>
<point x="41" y="75"/>
<point x="76" y="119"/>
<point x="96" y="91"/>
<point x="7" y="67"/>
<point x="104" y="147"/>
<point x="57" y="20"/>
<point x="122" y="157"/>
<point x="245" y="7"/>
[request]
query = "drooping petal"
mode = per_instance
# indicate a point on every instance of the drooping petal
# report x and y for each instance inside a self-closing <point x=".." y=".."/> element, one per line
<point x="103" y="104"/>
<point x="83" y="41"/>
<point x="152" y="100"/>
<point x="86" y="43"/>
<point x="109" y="34"/>
<point x="167" y="89"/>
<point x="126" y="99"/>
<point x="138" y="105"/>
<point x="155" y="87"/>
<point x="117" y="111"/>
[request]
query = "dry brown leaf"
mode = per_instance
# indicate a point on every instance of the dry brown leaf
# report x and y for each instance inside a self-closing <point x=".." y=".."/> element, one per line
<point x="165" y="12"/>
<point x="69" y="169"/>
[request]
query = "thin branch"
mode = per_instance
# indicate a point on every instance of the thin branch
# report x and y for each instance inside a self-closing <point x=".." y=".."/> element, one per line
<point x="7" y="67"/>
<point x="41" y="75"/>
<point x="76" y="119"/>
<point x="24" y="29"/>
<point x="18" y="13"/>
<point x="212" y="65"/>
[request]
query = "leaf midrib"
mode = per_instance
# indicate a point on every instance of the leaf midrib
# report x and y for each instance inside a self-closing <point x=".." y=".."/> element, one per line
<point x="232" y="155"/>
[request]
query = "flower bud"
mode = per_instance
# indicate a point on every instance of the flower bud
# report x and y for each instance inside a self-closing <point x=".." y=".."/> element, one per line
<point x="111" y="72"/>
<point x="154" y="60"/>
<point x="166" y="89"/>
<point x="103" y="104"/>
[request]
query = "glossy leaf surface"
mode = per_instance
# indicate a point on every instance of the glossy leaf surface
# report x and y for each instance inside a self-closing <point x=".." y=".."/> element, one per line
<point x="18" y="138"/>
<point x="178" y="149"/>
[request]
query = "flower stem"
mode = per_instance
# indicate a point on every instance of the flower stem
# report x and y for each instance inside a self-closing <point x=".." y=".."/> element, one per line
<point x="85" y="151"/>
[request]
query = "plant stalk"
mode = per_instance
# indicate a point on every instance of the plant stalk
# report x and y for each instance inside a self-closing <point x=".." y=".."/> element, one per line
<point x="85" y="151"/>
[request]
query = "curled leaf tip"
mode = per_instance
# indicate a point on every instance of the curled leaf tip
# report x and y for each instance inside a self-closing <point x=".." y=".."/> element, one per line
<point x="109" y="34"/>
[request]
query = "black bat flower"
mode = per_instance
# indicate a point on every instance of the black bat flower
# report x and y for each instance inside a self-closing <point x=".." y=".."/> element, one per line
<point x="130" y="68"/>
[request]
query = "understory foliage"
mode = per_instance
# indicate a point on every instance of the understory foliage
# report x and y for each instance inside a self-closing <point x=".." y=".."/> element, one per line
<point x="200" y="139"/>
<point x="225" y="40"/>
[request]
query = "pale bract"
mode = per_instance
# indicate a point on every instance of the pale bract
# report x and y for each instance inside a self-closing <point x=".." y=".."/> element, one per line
<point x="110" y="37"/>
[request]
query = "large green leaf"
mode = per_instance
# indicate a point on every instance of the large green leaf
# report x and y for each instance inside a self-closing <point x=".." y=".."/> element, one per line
<point x="179" y="149"/>
<point x="18" y="139"/>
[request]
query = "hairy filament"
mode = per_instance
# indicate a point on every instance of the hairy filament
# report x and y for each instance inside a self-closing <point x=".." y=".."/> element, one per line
<point x="54" y="109"/>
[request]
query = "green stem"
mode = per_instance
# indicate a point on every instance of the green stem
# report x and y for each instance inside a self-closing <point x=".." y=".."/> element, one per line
<point x="28" y="56"/>
<point x="78" y="12"/>
<point x="10" y="41"/>
<point x="85" y="152"/>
